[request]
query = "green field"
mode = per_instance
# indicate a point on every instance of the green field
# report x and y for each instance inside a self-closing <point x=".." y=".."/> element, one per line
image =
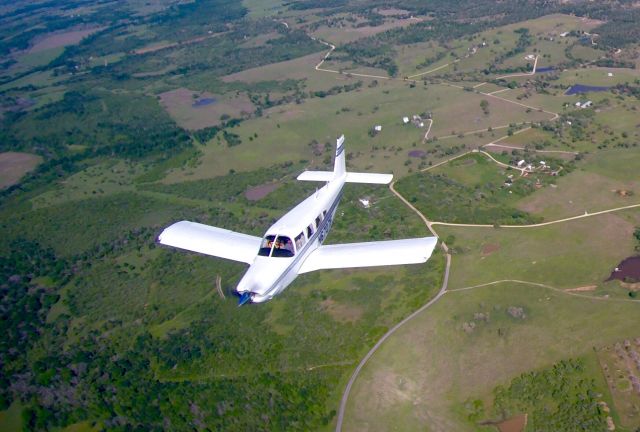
<point x="573" y="254"/>
<point x="423" y="375"/>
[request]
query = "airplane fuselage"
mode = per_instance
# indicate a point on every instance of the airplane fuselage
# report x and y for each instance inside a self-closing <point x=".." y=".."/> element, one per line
<point x="306" y="226"/>
<point x="293" y="244"/>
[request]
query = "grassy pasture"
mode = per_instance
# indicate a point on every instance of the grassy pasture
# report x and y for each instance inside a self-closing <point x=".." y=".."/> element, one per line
<point x="598" y="76"/>
<point x="11" y="418"/>
<point x="14" y="165"/>
<point x="36" y="79"/>
<point x="351" y="32"/>
<point x="597" y="185"/>
<point x="105" y="178"/>
<point x="182" y="105"/>
<point x="301" y="68"/>
<point x="585" y="53"/>
<point x="422" y="376"/>
<point x="262" y="8"/>
<point x="285" y="131"/>
<point x="567" y="255"/>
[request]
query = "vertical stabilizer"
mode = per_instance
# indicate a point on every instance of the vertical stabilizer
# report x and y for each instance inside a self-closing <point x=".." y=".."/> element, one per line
<point x="339" y="167"/>
<point x="340" y="171"/>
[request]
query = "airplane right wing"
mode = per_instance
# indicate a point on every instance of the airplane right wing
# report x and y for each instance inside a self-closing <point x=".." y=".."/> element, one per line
<point x="369" y="254"/>
<point x="210" y="240"/>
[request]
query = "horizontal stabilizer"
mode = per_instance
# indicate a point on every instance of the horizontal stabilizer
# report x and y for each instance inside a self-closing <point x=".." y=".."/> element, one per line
<point x="321" y="176"/>
<point x="355" y="177"/>
<point x="351" y="177"/>
<point x="370" y="254"/>
<point x="210" y="240"/>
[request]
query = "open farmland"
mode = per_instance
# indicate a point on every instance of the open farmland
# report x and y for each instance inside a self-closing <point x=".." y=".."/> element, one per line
<point x="197" y="110"/>
<point x="14" y="165"/>
<point x="207" y="111"/>
<point x="429" y="374"/>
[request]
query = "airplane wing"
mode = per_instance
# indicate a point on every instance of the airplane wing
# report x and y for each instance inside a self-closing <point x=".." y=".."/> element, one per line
<point x="369" y="254"/>
<point x="210" y="240"/>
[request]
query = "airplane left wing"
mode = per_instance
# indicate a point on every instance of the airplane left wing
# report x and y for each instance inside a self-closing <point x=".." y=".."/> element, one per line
<point x="369" y="254"/>
<point x="210" y="240"/>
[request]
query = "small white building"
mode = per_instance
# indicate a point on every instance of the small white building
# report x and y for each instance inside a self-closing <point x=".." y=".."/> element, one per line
<point x="543" y="163"/>
<point x="587" y="104"/>
<point x="609" y="74"/>
<point x="577" y="104"/>
<point x="521" y="163"/>
<point x="377" y="128"/>
<point x="405" y="120"/>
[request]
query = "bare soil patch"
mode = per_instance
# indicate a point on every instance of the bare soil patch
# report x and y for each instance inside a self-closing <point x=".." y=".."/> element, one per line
<point x="490" y="248"/>
<point x="56" y="40"/>
<point x="197" y="110"/>
<point x="514" y="424"/>
<point x="14" y="165"/>
<point x="582" y="288"/>
<point x="258" y="192"/>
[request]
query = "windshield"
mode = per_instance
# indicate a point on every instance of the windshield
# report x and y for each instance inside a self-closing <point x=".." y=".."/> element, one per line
<point x="276" y="246"/>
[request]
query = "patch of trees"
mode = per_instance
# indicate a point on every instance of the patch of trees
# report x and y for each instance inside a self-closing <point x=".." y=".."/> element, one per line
<point x="105" y="123"/>
<point x="317" y="4"/>
<point x="336" y="90"/>
<point x="560" y="398"/>
<point x="24" y="304"/>
<point x="451" y="201"/>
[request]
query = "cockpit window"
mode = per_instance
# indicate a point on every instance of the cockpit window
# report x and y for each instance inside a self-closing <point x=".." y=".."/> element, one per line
<point x="267" y="244"/>
<point x="283" y="247"/>
<point x="276" y="246"/>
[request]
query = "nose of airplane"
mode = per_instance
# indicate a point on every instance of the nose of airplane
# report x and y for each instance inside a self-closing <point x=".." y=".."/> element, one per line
<point x="245" y="298"/>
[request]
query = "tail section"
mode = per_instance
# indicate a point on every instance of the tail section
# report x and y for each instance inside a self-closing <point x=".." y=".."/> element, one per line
<point x="339" y="170"/>
<point x="339" y="165"/>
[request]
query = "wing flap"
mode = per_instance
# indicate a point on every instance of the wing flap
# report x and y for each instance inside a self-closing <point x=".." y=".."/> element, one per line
<point x="210" y="240"/>
<point x="370" y="254"/>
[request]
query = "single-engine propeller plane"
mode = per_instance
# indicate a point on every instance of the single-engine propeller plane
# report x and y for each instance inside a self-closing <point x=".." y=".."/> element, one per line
<point x="293" y="245"/>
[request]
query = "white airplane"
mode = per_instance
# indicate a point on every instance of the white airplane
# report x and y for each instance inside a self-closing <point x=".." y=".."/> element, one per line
<point x="293" y="245"/>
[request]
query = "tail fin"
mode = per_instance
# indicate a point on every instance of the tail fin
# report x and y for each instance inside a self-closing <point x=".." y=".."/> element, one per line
<point x="339" y="169"/>
<point x="339" y="165"/>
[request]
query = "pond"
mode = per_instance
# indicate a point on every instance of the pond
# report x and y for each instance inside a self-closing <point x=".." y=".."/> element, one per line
<point x="203" y="102"/>
<point x="627" y="271"/>
<point x="581" y="88"/>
